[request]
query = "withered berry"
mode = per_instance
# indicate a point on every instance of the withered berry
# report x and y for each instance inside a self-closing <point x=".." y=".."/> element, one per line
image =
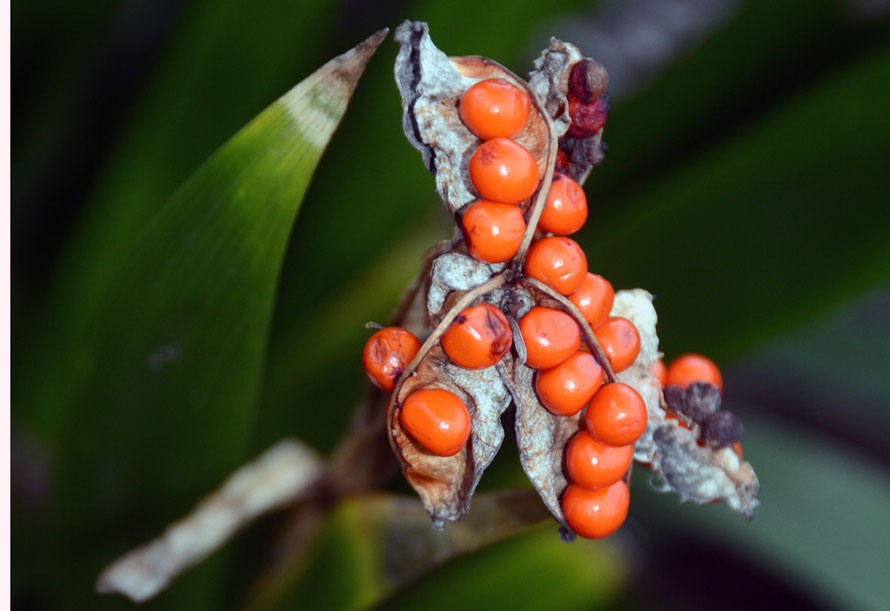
<point x="503" y="171"/>
<point x="621" y="341"/>
<point x="565" y="389"/>
<point x="493" y="231"/>
<point x="550" y="335"/>
<point x="479" y="337"/>
<point x="595" y="298"/>
<point x="593" y="464"/>
<point x="437" y="419"/>
<point x="495" y="108"/>
<point x="722" y="428"/>
<point x="595" y="514"/>
<point x="689" y="368"/>
<point x="616" y="415"/>
<point x="565" y="209"/>
<point x="588" y="80"/>
<point x="587" y="119"/>
<point x="557" y="262"/>
<point x="386" y="355"/>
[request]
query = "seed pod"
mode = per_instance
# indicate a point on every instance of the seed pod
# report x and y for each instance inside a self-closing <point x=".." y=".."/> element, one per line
<point x="431" y="86"/>
<point x="694" y="473"/>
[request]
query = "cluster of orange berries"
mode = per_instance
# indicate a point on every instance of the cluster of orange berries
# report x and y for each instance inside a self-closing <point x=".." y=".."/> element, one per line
<point x="569" y="377"/>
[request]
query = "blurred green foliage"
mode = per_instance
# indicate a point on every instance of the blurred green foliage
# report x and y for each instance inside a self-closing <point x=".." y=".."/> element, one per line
<point x="746" y="186"/>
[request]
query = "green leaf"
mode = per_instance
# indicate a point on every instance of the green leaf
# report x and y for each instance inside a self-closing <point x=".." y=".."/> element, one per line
<point x="224" y="61"/>
<point x="768" y="230"/>
<point x="822" y="519"/>
<point x="376" y="546"/>
<point x="169" y="377"/>
<point x="530" y="571"/>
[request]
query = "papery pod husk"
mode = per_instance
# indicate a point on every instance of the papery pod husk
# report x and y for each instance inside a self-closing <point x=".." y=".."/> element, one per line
<point x="701" y="474"/>
<point x="431" y="85"/>
<point x="446" y="483"/>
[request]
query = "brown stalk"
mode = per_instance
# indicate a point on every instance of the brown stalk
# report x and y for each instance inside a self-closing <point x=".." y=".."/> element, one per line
<point x="598" y="352"/>
<point x="543" y="188"/>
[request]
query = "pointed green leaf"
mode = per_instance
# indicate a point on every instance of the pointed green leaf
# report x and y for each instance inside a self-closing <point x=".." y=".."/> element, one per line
<point x="167" y="383"/>
<point x="770" y="229"/>
<point x="380" y="546"/>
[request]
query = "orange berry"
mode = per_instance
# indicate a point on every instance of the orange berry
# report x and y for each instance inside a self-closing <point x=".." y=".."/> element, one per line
<point x="503" y="171"/>
<point x="557" y="262"/>
<point x="550" y="335"/>
<point x="595" y="514"/>
<point x="616" y="415"/>
<point x="437" y="419"/>
<point x="592" y="464"/>
<point x="621" y="341"/>
<point x="495" y="108"/>
<point x="689" y="368"/>
<point x="565" y="389"/>
<point x="386" y="355"/>
<point x="479" y="337"/>
<point x="493" y="231"/>
<point x="565" y="210"/>
<point x="595" y="298"/>
<point x="660" y="372"/>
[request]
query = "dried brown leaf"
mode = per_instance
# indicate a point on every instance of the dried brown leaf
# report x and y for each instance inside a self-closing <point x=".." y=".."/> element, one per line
<point x="280" y="476"/>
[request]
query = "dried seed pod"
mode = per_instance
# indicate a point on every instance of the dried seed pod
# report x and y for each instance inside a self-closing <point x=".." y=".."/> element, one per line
<point x="694" y="473"/>
<point x="431" y="86"/>
<point x="446" y="483"/>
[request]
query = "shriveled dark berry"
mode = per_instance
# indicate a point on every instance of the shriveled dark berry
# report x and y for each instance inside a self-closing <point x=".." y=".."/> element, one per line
<point x="588" y="80"/>
<point x="705" y="399"/>
<point x="721" y="429"/>
<point x="697" y="401"/>
<point x="587" y="119"/>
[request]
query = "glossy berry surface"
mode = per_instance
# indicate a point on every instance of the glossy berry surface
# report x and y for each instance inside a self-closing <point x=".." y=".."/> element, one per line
<point x="565" y="209"/>
<point x="495" y="108"/>
<point x="592" y="464"/>
<point x="616" y="415"/>
<point x="620" y="340"/>
<point x="386" y="355"/>
<point x="587" y="119"/>
<point x="503" y="171"/>
<point x="565" y="389"/>
<point x="550" y="335"/>
<point x="689" y="368"/>
<point x="492" y="231"/>
<point x="557" y="262"/>
<point x="595" y="298"/>
<point x="595" y="514"/>
<point x="660" y="372"/>
<point x="436" y="419"/>
<point x="479" y="337"/>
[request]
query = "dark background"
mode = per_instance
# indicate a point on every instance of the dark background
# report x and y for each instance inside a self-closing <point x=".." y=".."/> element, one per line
<point x="746" y="186"/>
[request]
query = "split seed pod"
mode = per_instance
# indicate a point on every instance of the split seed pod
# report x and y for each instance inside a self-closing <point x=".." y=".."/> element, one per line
<point x="431" y="85"/>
